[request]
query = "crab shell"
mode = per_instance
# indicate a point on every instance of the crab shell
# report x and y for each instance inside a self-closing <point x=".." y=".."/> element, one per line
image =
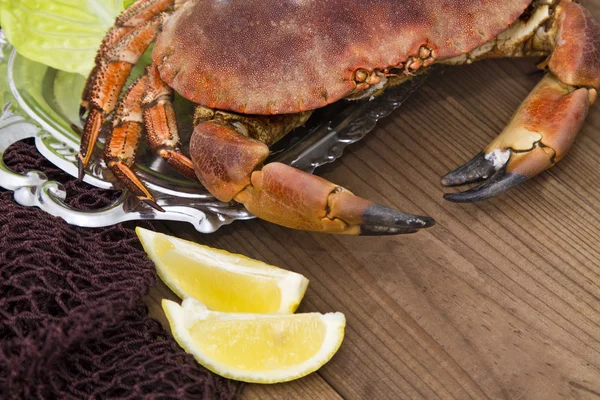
<point x="287" y="56"/>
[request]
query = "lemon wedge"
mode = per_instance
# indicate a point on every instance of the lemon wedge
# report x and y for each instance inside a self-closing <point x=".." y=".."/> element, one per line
<point x="221" y="280"/>
<point x="255" y="348"/>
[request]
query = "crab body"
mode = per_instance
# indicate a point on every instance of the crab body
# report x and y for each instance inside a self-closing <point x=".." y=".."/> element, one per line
<point x="257" y="68"/>
<point x="278" y="57"/>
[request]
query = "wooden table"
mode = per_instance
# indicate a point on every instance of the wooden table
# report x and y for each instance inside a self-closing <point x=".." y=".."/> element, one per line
<point x="499" y="300"/>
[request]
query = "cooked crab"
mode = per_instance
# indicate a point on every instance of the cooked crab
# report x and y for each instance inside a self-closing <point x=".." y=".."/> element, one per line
<point x="256" y="69"/>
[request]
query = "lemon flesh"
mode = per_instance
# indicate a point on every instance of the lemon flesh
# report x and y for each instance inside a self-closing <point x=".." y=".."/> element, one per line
<point x="254" y="347"/>
<point x="222" y="281"/>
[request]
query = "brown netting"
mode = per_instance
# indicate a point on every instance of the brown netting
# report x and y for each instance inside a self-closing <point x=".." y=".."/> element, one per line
<point x="72" y="323"/>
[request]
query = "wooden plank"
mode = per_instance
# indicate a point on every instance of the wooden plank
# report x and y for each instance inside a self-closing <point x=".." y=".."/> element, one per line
<point x="500" y="300"/>
<point x="309" y="387"/>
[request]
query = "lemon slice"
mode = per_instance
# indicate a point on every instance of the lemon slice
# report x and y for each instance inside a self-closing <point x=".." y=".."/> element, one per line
<point x="221" y="280"/>
<point x="255" y="347"/>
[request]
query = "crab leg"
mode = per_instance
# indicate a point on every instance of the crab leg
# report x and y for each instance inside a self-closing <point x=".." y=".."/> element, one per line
<point x="108" y="78"/>
<point x="138" y="13"/>
<point x="147" y="103"/>
<point x="124" y="139"/>
<point x="546" y="124"/>
<point x="161" y="124"/>
<point x="229" y="165"/>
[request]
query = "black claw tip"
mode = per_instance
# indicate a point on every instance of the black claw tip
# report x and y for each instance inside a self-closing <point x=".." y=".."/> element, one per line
<point x="76" y="129"/>
<point x="153" y="204"/>
<point x="380" y="220"/>
<point x="475" y="170"/>
<point x="80" y="168"/>
<point x="498" y="183"/>
<point x="82" y="113"/>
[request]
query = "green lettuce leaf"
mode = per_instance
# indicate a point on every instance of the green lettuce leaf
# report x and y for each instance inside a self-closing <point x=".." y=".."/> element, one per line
<point x="64" y="34"/>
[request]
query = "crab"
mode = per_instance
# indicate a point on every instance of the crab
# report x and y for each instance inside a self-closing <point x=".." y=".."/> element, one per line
<point x="256" y="69"/>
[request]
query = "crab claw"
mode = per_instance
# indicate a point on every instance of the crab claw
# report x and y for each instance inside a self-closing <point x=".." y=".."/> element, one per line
<point x="287" y="196"/>
<point x="538" y="135"/>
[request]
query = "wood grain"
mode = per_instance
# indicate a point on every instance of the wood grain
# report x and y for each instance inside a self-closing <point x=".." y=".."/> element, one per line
<point x="500" y="300"/>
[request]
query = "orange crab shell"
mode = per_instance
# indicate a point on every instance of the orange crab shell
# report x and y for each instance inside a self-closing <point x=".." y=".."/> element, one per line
<point x="287" y="56"/>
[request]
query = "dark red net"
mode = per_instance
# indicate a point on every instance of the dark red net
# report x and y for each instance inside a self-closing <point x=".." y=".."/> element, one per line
<point x="72" y="323"/>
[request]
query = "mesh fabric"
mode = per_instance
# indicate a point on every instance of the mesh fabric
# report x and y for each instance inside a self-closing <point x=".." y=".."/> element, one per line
<point x="72" y="322"/>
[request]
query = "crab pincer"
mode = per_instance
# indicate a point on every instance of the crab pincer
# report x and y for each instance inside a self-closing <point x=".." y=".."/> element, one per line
<point x="285" y="195"/>
<point x="544" y="127"/>
<point x="539" y="135"/>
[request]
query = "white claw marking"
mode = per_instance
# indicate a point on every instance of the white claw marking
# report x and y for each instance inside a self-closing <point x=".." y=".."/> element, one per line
<point x="498" y="157"/>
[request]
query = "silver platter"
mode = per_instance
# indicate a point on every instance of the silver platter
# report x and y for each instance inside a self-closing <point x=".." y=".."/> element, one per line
<point x="41" y="102"/>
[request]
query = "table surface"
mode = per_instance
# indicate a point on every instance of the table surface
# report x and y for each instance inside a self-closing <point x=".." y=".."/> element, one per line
<point x="499" y="300"/>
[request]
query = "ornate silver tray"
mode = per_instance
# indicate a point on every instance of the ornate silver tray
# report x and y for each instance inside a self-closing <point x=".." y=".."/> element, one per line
<point x="41" y="102"/>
